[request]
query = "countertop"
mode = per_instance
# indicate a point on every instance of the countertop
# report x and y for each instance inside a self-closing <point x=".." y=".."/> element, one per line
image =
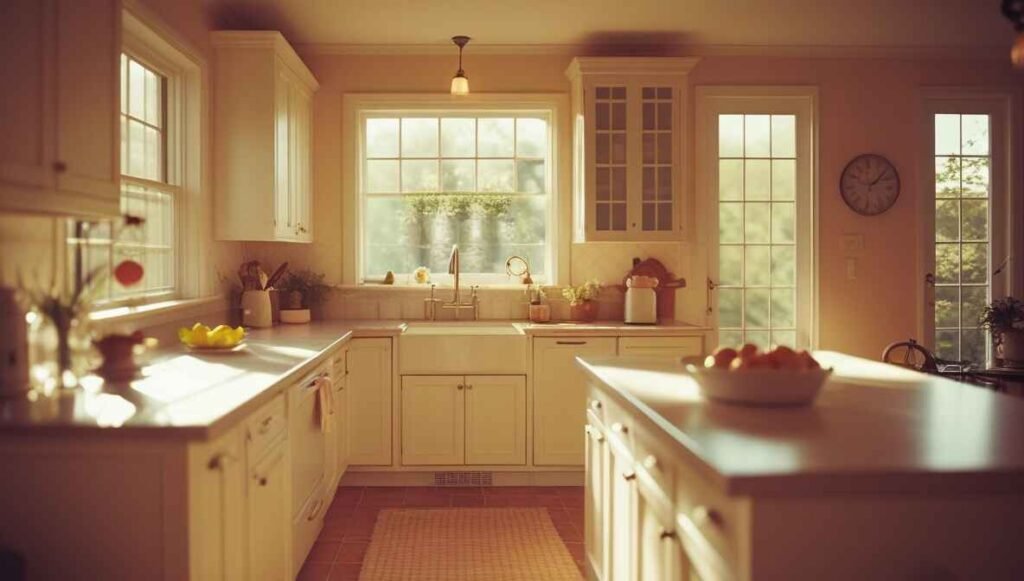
<point x="874" y="428"/>
<point x="190" y="394"/>
<point x="608" y="328"/>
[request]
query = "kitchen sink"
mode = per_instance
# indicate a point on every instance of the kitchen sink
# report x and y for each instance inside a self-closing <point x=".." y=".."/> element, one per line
<point x="470" y="348"/>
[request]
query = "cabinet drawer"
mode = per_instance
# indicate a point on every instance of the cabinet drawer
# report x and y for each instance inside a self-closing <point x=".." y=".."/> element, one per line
<point x="306" y="527"/>
<point x="661" y="346"/>
<point x="710" y="523"/>
<point x="265" y="426"/>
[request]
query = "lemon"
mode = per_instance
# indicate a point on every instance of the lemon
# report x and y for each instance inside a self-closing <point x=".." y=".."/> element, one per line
<point x="185" y="335"/>
<point x="200" y="335"/>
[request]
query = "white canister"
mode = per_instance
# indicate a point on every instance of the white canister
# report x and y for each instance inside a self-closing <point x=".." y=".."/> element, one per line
<point x="256" y="311"/>
<point x="13" y="345"/>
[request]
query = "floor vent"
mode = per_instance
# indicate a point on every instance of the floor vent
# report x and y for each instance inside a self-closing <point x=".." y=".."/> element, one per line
<point x="463" y="479"/>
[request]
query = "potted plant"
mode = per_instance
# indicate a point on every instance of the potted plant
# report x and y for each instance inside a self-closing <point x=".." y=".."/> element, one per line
<point x="1005" y="319"/>
<point x="300" y="291"/>
<point x="539" y="311"/>
<point x="582" y="306"/>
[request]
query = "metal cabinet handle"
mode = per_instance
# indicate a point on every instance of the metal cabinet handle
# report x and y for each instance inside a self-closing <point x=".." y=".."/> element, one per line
<point x="220" y="461"/>
<point x="667" y="534"/>
<point x="703" y="515"/>
<point x="595" y="404"/>
<point x="469" y="386"/>
<point x="618" y="427"/>
<point x="459" y="387"/>
<point x="629" y="476"/>
<point x="265" y="424"/>
<point x="570" y="342"/>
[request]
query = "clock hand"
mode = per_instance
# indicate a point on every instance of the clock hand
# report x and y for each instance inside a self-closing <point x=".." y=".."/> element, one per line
<point x="880" y="176"/>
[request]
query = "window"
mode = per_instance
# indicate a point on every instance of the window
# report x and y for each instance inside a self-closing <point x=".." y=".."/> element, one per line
<point x="479" y="179"/>
<point x="147" y="192"/>
<point x="756" y="177"/>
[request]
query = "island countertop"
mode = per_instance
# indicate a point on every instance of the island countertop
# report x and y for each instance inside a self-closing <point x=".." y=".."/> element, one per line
<point x="189" y="394"/>
<point x="874" y="427"/>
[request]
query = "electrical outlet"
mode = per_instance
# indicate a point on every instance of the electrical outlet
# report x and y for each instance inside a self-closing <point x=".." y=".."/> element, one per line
<point x="853" y="244"/>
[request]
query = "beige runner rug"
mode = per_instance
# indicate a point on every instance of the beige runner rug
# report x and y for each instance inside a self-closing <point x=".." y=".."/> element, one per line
<point x="467" y="544"/>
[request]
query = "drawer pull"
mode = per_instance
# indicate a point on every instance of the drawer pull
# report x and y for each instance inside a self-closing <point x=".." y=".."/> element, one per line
<point x="469" y="386"/>
<point x="220" y="461"/>
<point x="667" y="534"/>
<point x="262" y="480"/>
<point x="316" y="510"/>
<point x="703" y="515"/>
<point x="617" y="427"/>
<point x="650" y="462"/>
<point x="570" y="342"/>
<point x="595" y="404"/>
<point x="629" y="476"/>
<point x="459" y="387"/>
<point x="265" y="425"/>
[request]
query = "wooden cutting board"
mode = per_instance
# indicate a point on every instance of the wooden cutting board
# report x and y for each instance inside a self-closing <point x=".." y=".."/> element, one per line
<point x="667" y="284"/>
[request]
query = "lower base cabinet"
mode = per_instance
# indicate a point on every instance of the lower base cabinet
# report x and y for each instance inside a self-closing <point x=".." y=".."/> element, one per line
<point x="268" y="522"/>
<point x="452" y="420"/>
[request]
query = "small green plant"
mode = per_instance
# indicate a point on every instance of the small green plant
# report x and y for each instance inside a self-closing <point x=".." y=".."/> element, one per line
<point x="585" y="292"/>
<point x="535" y="293"/>
<point x="1002" y="315"/>
<point x="457" y="204"/>
<point x="305" y="289"/>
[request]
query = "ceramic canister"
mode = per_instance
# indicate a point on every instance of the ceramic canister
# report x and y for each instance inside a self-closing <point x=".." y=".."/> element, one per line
<point x="13" y="345"/>
<point x="256" y="311"/>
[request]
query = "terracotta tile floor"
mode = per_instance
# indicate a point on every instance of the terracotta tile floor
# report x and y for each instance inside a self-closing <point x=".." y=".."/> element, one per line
<point x="338" y="553"/>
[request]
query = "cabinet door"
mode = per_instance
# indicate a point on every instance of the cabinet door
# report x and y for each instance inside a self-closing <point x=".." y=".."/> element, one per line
<point x="369" y="402"/>
<point x="307" y="441"/>
<point x="654" y="211"/>
<point x="268" y="518"/>
<point x="301" y="166"/>
<point x="88" y="98"/>
<point x="596" y="501"/>
<point x="560" y="397"/>
<point x="622" y="542"/>
<point x="659" y="552"/>
<point x="340" y="365"/>
<point x="284" y="220"/>
<point x="495" y="419"/>
<point x="433" y="427"/>
<point x="217" y="509"/>
<point x="607" y="145"/>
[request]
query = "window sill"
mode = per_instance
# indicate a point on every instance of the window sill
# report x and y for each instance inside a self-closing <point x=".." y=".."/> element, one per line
<point x="158" y="313"/>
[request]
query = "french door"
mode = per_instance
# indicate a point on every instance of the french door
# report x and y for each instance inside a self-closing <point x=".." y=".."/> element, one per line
<point x="966" y="219"/>
<point x="755" y="181"/>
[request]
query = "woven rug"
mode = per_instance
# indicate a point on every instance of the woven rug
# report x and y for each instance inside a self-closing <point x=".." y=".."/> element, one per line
<point x="464" y="544"/>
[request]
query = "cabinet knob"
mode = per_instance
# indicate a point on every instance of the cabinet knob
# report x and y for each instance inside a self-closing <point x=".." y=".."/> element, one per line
<point x="617" y="427"/>
<point x="667" y="534"/>
<point x="703" y="515"/>
<point x="459" y="386"/>
<point x="263" y="481"/>
<point x="60" y="167"/>
<point x="595" y="404"/>
<point x="469" y="386"/>
<point x="650" y="462"/>
<point x="629" y="476"/>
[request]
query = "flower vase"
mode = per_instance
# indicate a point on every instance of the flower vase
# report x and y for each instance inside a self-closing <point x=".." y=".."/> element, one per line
<point x="584" y="311"/>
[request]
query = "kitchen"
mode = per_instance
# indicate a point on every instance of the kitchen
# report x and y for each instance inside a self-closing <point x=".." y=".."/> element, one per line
<point x="718" y="158"/>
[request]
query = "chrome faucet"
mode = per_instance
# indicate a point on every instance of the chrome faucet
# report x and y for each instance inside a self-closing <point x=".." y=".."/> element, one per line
<point x="456" y="304"/>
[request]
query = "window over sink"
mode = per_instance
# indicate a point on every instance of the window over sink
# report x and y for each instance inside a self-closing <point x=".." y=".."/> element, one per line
<point x="477" y="176"/>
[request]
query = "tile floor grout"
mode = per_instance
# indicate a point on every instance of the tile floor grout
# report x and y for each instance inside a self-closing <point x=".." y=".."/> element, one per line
<point x="338" y="552"/>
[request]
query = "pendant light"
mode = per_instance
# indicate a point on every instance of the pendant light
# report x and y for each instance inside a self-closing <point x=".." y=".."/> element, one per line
<point x="460" y="83"/>
<point x="1013" y="10"/>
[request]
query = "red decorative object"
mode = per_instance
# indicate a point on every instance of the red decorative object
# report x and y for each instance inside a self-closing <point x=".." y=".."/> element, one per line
<point x="585" y="311"/>
<point x="128" y="272"/>
<point x="667" y="284"/>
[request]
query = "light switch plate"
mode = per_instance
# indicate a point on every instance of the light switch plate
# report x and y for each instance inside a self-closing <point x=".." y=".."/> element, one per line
<point x="853" y="244"/>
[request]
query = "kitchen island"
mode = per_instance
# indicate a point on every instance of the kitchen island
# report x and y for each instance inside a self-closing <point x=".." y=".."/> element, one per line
<point x="891" y="474"/>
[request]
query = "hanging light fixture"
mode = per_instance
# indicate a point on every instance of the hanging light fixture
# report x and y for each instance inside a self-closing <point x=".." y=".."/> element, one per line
<point x="1013" y="10"/>
<point x="460" y="83"/>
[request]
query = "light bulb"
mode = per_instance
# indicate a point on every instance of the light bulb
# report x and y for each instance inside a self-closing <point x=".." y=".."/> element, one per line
<point x="460" y="84"/>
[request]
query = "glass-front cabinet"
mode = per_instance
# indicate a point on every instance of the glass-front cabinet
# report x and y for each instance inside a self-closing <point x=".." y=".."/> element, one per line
<point x="628" y="120"/>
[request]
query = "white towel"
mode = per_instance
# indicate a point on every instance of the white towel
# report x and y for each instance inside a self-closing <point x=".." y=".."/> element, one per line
<point x="326" y="399"/>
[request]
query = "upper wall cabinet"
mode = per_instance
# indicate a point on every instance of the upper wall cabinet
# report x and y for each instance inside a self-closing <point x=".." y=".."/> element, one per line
<point x="263" y="138"/>
<point x="628" y="146"/>
<point x="59" y="145"/>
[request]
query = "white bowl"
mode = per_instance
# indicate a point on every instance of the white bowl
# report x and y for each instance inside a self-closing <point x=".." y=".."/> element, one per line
<point x="760" y="387"/>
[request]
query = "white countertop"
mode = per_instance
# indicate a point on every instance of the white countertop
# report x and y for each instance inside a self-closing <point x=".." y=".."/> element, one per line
<point x="189" y="394"/>
<point x="874" y="427"/>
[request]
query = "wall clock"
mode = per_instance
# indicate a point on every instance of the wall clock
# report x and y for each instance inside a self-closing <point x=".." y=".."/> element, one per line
<point x="870" y="184"/>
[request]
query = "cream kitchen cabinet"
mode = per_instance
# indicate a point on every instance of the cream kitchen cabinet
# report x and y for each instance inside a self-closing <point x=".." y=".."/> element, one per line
<point x="269" y="544"/>
<point x="629" y="115"/>
<point x="369" y="401"/>
<point x="682" y="346"/>
<point x="463" y="420"/>
<point x="559" y="397"/>
<point x="262" y="138"/>
<point x="337" y="440"/>
<point x="59" y="107"/>
<point x="217" y="508"/>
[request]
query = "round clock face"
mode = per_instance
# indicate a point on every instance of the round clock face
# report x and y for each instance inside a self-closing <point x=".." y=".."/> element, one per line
<point x="870" y="184"/>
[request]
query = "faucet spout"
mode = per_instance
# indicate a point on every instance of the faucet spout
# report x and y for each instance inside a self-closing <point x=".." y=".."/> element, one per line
<point x="453" y="269"/>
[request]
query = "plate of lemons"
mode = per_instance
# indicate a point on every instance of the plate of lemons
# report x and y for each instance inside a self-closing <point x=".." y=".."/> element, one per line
<point x="220" y="338"/>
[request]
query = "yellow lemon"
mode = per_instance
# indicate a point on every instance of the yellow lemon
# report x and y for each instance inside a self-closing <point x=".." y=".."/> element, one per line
<point x="200" y="334"/>
<point x="185" y="335"/>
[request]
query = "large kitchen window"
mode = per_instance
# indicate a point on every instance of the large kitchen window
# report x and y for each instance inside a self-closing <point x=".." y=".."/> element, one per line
<point x="479" y="179"/>
<point x="967" y="224"/>
<point x="756" y="180"/>
<point x="148" y="193"/>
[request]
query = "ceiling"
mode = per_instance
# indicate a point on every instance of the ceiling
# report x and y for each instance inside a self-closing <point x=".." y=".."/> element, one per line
<point x="741" y="23"/>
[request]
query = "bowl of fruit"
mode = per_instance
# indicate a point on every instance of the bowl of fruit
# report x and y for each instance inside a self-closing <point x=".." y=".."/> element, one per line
<point x="779" y="377"/>
<point x="220" y="338"/>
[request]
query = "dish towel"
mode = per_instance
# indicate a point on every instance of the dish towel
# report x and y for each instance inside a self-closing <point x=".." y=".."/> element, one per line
<point x="326" y="400"/>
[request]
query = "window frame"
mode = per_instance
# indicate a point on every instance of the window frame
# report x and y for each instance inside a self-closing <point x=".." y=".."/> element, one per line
<point x="357" y="107"/>
<point x="801" y="101"/>
<point x="1005" y="188"/>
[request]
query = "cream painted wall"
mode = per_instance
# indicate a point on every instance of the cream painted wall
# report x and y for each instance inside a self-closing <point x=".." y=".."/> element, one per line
<point x="865" y="105"/>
